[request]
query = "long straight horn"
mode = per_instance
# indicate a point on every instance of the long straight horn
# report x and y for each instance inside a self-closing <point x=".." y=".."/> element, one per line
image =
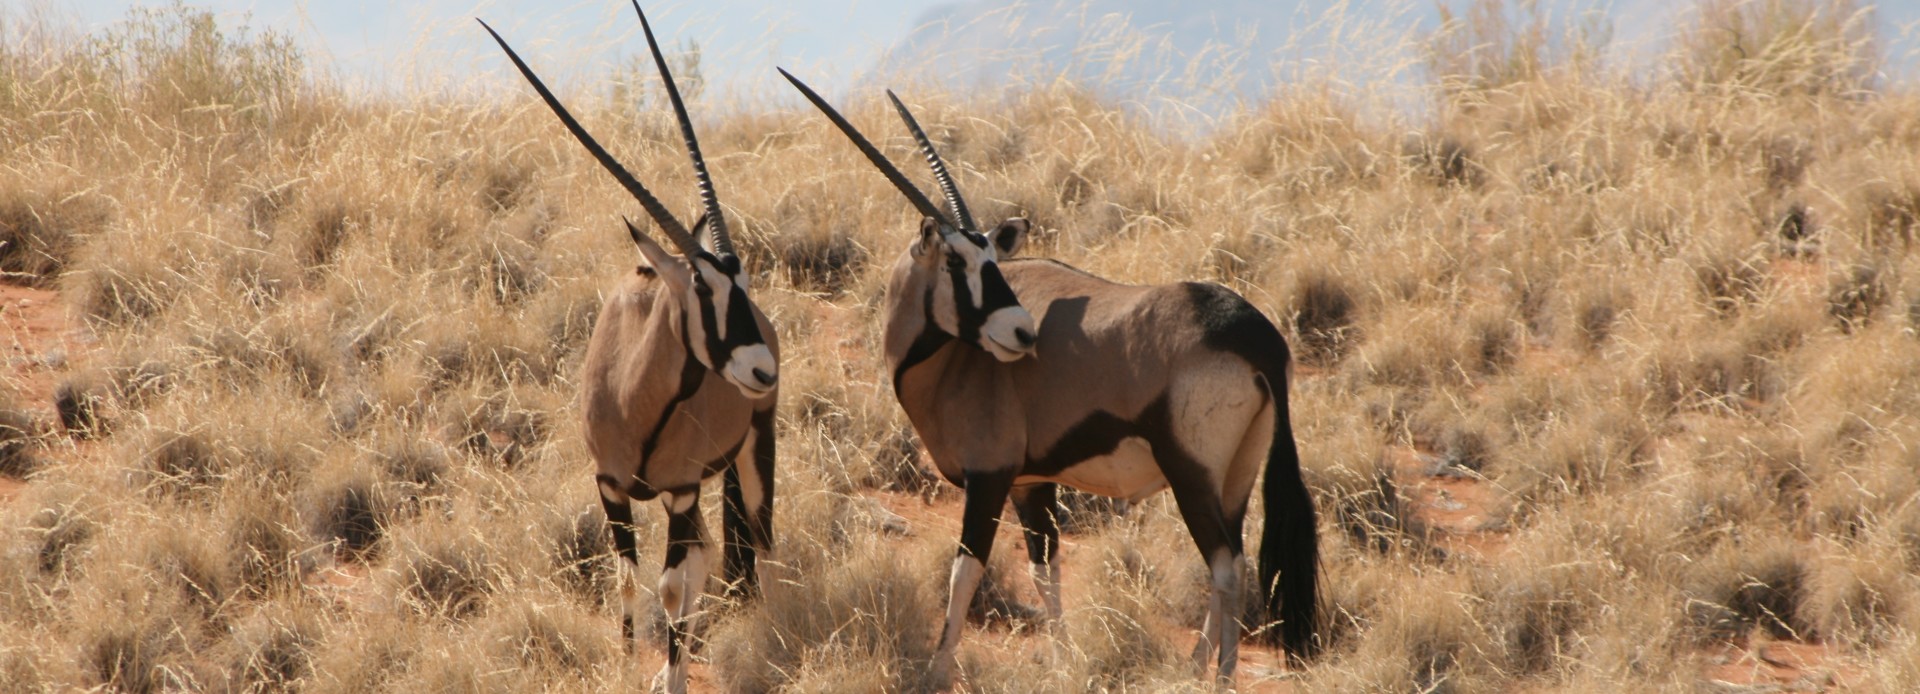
<point x="675" y="232"/>
<point x="879" y="160"/>
<point x="954" y="201"/>
<point x="722" y="242"/>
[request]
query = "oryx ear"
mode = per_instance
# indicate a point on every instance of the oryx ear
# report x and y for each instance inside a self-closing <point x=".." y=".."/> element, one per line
<point x="1009" y="236"/>
<point x="929" y="235"/>
<point x="664" y="264"/>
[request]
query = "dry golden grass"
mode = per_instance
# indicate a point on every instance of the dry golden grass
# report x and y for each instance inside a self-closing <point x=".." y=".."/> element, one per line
<point x="1603" y="383"/>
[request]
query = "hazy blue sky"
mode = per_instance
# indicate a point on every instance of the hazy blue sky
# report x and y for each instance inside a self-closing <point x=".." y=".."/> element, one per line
<point x="435" y="44"/>
<point x="394" y="43"/>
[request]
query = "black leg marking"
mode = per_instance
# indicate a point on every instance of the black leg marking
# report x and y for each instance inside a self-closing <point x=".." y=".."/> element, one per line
<point x="986" y="497"/>
<point x="683" y="536"/>
<point x="1037" y="507"/>
<point x="620" y="523"/>
<point x="737" y="562"/>
<point x="748" y="523"/>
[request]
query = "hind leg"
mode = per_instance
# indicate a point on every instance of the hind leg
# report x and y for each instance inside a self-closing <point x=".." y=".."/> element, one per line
<point x="619" y="509"/>
<point x="1216" y="533"/>
<point x="1037" y="508"/>
<point x="747" y="514"/>
<point x="682" y="581"/>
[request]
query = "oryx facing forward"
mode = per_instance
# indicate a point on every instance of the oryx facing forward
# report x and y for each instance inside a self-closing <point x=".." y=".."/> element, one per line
<point x="1129" y="390"/>
<point x="679" y="384"/>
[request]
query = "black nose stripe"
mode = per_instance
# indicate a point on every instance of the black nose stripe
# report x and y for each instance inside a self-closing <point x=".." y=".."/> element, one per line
<point x="995" y="293"/>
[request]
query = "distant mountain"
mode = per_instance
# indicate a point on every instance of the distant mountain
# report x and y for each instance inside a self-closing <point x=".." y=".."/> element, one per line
<point x="1206" y="51"/>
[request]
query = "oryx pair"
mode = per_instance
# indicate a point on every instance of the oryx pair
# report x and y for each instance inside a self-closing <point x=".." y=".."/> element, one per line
<point x="1018" y="375"/>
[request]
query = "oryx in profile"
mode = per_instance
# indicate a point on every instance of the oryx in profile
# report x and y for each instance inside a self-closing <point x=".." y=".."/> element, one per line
<point x="1122" y="390"/>
<point x="679" y="384"/>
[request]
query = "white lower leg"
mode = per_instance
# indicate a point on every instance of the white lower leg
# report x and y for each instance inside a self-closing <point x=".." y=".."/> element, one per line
<point x="964" y="580"/>
<point x="1225" y="613"/>
<point x="680" y="589"/>
<point x="1046" y="582"/>
<point x="630" y="606"/>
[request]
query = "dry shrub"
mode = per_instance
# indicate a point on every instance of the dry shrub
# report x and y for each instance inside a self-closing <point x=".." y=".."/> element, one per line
<point x="583" y="555"/>
<point x="57" y="531"/>
<point x="1445" y="160"/>
<point x="441" y="571"/>
<point x="499" y="427"/>
<point x="1855" y="294"/>
<point x="350" y="513"/>
<point x="1433" y="643"/>
<point x="1715" y="375"/>
<point x="39" y="229"/>
<point x="362" y="657"/>
<point x="123" y="276"/>
<point x="1117" y="643"/>
<point x="1729" y="278"/>
<point x="1323" y="309"/>
<point x="863" y="607"/>
<point x="182" y="463"/>
<point x="273" y="649"/>
<point x="552" y="639"/>
<point x="825" y="264"/>
<point x="1364" y="501"/>
<point x="1861" y="596"/>
<point x="1893" y="217"/>
<point x="17" y="435"/>
<point x="135" y="634"/>
<point x="1740" y="588"/>
<point x="266" y="553"/>
<point x="78" y="403"/>
<point x="1779" y="47"/>
<point x="190" y="564"/>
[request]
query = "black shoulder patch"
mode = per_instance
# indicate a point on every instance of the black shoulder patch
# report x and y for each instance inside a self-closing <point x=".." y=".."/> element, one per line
<point x="1231" y="324"/>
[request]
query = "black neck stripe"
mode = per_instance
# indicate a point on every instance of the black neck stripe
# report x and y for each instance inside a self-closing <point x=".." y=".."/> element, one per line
<point x="691" y="374"/>
<point x="930" y="340"/>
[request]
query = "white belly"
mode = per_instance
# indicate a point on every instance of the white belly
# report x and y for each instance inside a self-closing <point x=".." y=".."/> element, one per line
<point x="1129" y="472"/>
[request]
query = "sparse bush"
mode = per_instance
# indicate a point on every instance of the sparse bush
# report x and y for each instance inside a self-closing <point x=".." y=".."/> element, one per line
<point x="1747" y="588"/>
<point x="447" y="574"/>
<point x="17" y="433"/>
<point x="274" y="653"/>
<point x="1854" y="295"/>
<point x="865" y="604"/>
<point x="40" y="229"/>
<point x="1323" y="316"/>
<point x="351" y="514"/>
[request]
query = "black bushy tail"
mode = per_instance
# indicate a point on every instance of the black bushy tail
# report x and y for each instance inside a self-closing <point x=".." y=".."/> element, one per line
<point x="1289" y="538"/>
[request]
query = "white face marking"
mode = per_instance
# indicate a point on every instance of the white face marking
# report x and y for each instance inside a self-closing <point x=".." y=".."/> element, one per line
<point x="747" y="359"/>
<point x="975" y="258"/>
<point x="1000" y="333"/>
<point x="722" y="287"/>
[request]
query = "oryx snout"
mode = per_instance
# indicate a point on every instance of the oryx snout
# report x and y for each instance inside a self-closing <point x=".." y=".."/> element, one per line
<point x="752" y="369"/>
<point x="1008" y="333"/>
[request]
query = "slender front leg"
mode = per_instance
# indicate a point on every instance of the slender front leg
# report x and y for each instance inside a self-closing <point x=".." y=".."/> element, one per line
<point x="682" y="581"/>
<point x="747" y="516"/>
<point x="986" y="496"/>
<point x="619" y="509"/>
<point x="1037" y="506"/>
